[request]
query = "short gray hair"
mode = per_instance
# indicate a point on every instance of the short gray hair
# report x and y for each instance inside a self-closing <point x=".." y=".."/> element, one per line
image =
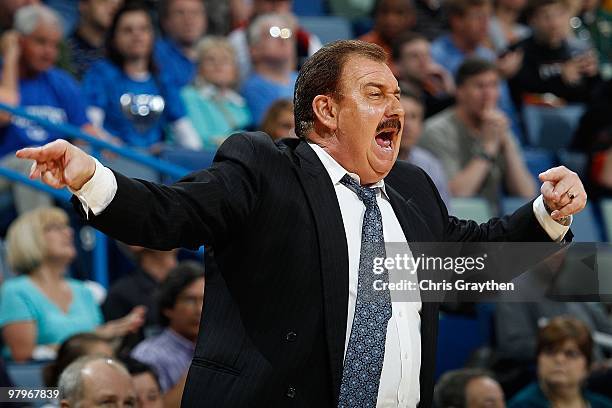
<point x="28" y="18"/>
<point x="70" y="383"/>
<point x="268" y="19"/>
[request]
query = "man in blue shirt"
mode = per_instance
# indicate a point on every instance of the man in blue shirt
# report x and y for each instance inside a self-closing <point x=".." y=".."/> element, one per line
<point x="469" y="21"/>
<point x="272" y="43"/>
<point x="30" y="81"/>
<point x="183" y="22"/>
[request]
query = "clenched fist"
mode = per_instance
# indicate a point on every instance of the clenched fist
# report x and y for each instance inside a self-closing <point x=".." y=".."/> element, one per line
<point x="563" y="192"/>
<point x="60" y="164"/>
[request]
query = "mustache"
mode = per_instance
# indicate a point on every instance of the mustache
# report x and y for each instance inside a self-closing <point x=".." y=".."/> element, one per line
<point x="391" y="123"/>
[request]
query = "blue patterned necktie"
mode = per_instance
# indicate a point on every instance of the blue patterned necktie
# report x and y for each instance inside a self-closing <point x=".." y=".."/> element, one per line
<point x="365" y="352"/>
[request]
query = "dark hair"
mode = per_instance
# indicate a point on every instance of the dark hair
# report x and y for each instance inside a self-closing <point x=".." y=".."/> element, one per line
<point x="183" y="275"/>
<point x="321" y="74"/>
<point x="534" y="5"/>
<point x="71" y="349"/>
<point x="112" y="53"/>
<point x="403" y="39"/>
<point x="408" y="92"/>
<point x="450" y="389"/>
<point x="271" y="116"/>
<point x="137" y="367"/>
<point x="561" y="329"/>
<point x="458" y="8"/>
<point x="378" y="5"/>
<point x="472" y="67"/>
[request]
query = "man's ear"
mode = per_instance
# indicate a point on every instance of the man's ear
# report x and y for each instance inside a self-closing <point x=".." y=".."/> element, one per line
<point x="325" y="111"/>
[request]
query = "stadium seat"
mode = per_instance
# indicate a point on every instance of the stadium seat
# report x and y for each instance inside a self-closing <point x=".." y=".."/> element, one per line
<point x="538" y="160"/>
<point x="329" y="28"/>
<point x="473" y="208"/>
<point x="454" y="351"/>
<point x="309" y="8"/>
<point x="585" y="227"/>
<point x="26" y="374"/>
<point x="575" y="161"/>
<point x="551" y="128"/>
<point x="511" y="204"/>
<point x="606" y="212"/>
<point x="190" y="159"/>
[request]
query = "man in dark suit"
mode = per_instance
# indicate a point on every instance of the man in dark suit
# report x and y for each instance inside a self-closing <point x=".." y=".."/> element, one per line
<point x="290" y="317"/>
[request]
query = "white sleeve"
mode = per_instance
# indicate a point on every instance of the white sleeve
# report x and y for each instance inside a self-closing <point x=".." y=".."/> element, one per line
<point x="99" y="191"/>
<point x="185" y="134"/>
<point x="555" y="230"/>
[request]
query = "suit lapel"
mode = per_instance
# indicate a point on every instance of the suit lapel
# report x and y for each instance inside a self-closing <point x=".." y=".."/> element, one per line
<point x="333" y="252"/>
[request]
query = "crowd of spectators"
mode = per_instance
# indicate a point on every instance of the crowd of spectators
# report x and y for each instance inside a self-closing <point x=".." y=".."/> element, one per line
<point x="159" y="74"/>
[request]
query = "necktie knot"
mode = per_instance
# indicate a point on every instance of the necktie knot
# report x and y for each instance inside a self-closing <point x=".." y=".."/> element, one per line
<point x="365" y="194"/>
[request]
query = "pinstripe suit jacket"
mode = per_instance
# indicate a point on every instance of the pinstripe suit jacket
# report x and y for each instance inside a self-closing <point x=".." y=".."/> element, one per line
<point x="273" y="326"/>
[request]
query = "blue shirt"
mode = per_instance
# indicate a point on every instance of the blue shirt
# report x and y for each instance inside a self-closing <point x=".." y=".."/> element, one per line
<point x="533" y="397"/>
<point x="260" y="93"/>
<point x="53" y="95"/>
<point x="445" y="52"/>
<point x="215" y="116"/>
<point x="169" y="354"/>
<point x="21" y="300"/>
<point x="175" y="65"/>
<point x="137" y="111"/>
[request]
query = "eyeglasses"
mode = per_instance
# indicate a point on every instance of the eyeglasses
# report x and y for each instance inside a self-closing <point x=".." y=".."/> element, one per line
<point x="284" y="33"/>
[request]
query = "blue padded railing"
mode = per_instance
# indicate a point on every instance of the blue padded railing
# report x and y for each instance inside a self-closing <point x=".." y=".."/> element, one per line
<point x="100" y="259"/>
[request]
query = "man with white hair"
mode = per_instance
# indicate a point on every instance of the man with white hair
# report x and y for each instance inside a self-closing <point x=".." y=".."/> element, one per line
<point x="272" y="45"/>
<point x="93" y="381"/>
<point x="29" y="79"/>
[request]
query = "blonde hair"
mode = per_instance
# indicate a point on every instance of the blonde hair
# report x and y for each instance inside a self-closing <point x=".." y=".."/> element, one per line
<point x="210" y="42"/>
<point x="25" y="243"/>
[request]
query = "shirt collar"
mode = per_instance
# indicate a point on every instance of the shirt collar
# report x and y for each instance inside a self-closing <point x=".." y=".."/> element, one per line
<point x="336" y="171"/>
<point x="179" y="340"/>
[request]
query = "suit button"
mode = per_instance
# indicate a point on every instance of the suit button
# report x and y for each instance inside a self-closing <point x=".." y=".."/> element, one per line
<point x="291" y="336"/>
<point x="291" y="392"/>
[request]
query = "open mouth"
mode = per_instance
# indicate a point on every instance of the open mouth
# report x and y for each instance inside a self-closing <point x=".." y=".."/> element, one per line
<point x="385" y="138"/>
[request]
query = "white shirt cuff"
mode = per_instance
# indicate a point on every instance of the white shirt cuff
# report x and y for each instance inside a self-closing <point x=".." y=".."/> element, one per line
<point x="99" y="191"/>
<point x="555" y="230"/>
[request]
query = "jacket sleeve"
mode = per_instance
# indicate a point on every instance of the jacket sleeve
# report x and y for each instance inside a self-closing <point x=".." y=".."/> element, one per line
<point x="205" y="207"/>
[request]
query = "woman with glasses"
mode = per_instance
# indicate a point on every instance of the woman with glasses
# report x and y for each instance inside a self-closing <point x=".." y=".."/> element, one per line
<point x="564" y="356"/>
<point x="41" y="307"/>
<point x="128" y="95"/>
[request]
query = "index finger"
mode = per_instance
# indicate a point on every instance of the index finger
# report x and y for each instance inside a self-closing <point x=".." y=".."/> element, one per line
<point x="553" y="174"/>
<point x="50" y="151"/>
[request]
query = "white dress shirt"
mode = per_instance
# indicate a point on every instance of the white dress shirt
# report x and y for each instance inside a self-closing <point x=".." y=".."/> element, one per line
<point x="399" y="383"/>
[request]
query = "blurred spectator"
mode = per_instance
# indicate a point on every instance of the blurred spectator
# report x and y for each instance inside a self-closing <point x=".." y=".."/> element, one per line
<point x="184" y="23"/>
<point x="8" y="8"/>
<point x="138" y="288"/>
<point x="181" y="297"/>
<point x="86" y="44"/>
<point x="94" y="381"/>
<point x="74" y="347"/>
<point x="517" y="325"/>
<point x="564" y="354"/>
<point x="474" y="142"/>
<point x="272" y="43"/>
<point x="469" y="22"/>
<point x="128" y="96"/>
<point x="505" y="29"/>
<point x="594" y="24"/>
<point x="419" y="73"/>
<point x="391" y="19"/>
<point x="145" y="383"/>
<point x="29" y="80"/>
<point x="468" y="388"/>
<point x="213" y="106"/>
<point x="305" y="43"/>
<point x="278" y="121"/>
<point x="41" y="307"/>
<point x="554" y="61"/>
<point x="411" y="133"/>
<point x="431" y="20"/>
<point x="594" y="137"/>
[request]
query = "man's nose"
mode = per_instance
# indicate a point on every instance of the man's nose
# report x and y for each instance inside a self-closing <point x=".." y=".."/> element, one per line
<point x="395" y="108"/>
